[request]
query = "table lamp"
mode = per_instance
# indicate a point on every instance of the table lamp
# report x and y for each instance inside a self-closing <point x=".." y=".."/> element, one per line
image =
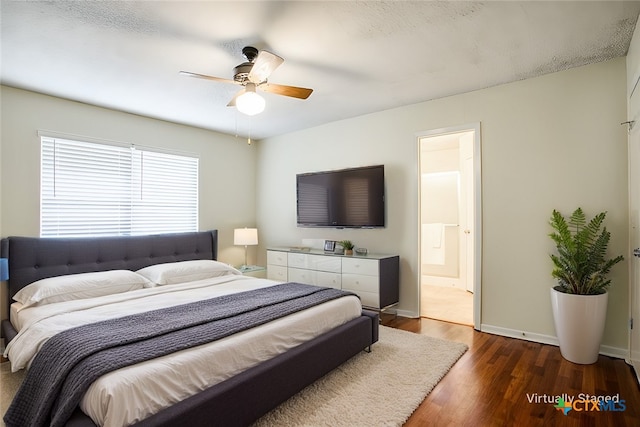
<point x="245" y="236"/>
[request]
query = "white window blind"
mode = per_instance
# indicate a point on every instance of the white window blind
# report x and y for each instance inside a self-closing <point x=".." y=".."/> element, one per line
<point x="91" y="189"/>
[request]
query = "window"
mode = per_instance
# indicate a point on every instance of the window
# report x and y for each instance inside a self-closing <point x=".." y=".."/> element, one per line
<point x="98" y="189"/>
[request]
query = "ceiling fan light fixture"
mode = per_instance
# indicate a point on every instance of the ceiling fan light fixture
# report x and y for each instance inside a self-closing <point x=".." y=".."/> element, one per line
<point x="250" y="103"/>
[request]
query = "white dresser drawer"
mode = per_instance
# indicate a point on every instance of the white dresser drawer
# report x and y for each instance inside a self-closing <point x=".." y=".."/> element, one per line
<point x="368" y="299"/>
<point x="315" y="262"/>
<point x="360" y="266"/>
<point x="329" y="263"/>
<point x="276" y="258"/>
<point x="331" y="280"/>
<point x="301" y="275"/>
<point x="297" y="260"/>
<point x="359" y="282"/>
<point x="277" y="272"/>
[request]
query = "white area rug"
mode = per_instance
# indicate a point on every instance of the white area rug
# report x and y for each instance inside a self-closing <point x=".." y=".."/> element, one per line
<point x="9" y="384"/>
<point x="381" y="388"/>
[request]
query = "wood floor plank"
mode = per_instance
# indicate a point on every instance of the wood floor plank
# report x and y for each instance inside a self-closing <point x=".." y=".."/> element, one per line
<point x="492" y="383"/>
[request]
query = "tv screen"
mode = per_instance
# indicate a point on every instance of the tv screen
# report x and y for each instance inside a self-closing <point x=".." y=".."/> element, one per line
<point x="352" y="198"/>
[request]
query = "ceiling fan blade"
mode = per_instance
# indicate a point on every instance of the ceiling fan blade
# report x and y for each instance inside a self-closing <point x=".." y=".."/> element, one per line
<point x="264" y="65"/>
<point x="292" y="91"/>
<point x="204" y="76"/>
<point x="232" y="103"/>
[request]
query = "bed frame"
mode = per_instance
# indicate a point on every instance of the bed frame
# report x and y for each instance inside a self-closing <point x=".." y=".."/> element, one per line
<point x="238" y="401"/>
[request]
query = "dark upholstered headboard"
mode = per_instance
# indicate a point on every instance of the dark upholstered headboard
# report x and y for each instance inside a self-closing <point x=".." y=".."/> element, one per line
<point x="32" y="258"/>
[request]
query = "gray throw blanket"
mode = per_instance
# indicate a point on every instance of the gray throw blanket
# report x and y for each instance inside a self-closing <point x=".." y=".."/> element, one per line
<point x="70" y="361"/>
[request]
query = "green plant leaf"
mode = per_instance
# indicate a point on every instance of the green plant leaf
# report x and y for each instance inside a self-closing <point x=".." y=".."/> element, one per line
<point x="581" y="265"/>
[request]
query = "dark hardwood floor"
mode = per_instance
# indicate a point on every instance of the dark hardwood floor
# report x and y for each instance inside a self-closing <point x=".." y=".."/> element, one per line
<point x="493" y="382"/>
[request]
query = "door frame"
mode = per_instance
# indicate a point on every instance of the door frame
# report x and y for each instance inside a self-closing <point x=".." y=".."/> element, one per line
<point x="477" y="207"/>
<point x="634" y="242"/>
<point x="633" y="141"/>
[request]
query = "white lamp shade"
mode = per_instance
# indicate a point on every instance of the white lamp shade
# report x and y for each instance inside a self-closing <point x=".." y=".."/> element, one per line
<point x="250" y="103"/>
<point x="245" y="236"/>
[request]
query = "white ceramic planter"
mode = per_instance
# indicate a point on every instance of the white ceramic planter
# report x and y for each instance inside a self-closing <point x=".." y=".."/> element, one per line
<point x="579" y="321"/>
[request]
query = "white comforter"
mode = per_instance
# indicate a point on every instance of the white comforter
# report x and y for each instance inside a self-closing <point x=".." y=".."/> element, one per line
<point x="130" y="394"/>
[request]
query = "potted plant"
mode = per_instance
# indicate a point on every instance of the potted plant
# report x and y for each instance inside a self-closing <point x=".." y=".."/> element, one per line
<point x="579" y="300"/>
<point x="348" y="246"/>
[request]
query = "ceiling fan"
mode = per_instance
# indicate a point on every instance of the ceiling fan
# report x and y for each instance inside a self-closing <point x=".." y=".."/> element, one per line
<point x="253" y="75"/>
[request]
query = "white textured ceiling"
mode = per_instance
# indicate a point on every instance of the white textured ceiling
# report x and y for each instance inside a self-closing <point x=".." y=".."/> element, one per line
<point x="359" y="57"/>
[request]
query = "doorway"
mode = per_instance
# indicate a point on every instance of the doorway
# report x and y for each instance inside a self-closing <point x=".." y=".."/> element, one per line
<point x="450" y="224"/>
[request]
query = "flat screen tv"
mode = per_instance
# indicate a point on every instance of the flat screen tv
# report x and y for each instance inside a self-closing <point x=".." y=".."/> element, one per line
<point x="346" y="198"/>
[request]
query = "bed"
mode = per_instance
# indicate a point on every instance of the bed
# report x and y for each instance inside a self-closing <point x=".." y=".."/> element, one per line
<point x="237" y="400"/>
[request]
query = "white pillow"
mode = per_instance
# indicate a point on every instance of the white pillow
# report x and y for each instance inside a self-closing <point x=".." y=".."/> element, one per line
<point x="80" y="286"/>
<point x="172" y="273"/>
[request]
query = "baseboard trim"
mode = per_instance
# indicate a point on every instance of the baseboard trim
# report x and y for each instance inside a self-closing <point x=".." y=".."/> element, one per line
<point x="634" y="361"/>
<point x="635" y="370"/>
<point x="605" y="350"/>
<point x="404" y="313"/>
<point x="617" y="352"/>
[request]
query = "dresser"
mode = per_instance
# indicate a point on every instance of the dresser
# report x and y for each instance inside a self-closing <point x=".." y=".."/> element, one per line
<point x="373" y="277"/>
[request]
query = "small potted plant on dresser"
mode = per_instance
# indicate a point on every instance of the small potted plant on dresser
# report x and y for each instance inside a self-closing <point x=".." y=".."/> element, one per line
<point x="579" y="300"/>
<point x="347" y="245"/>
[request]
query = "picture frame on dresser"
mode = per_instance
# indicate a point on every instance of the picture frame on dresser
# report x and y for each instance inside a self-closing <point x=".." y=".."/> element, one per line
<point x="329" y="245"/>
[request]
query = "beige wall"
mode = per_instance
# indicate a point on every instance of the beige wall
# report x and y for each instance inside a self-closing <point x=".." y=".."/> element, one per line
<point x="549" y="142"/>
<point x="227" y="164"/>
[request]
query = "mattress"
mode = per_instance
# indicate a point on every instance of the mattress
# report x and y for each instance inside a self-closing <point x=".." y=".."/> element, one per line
<point x="130" y="394"/>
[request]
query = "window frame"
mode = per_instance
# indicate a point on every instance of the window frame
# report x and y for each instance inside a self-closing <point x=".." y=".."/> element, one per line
<point x="91" y="188"/>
